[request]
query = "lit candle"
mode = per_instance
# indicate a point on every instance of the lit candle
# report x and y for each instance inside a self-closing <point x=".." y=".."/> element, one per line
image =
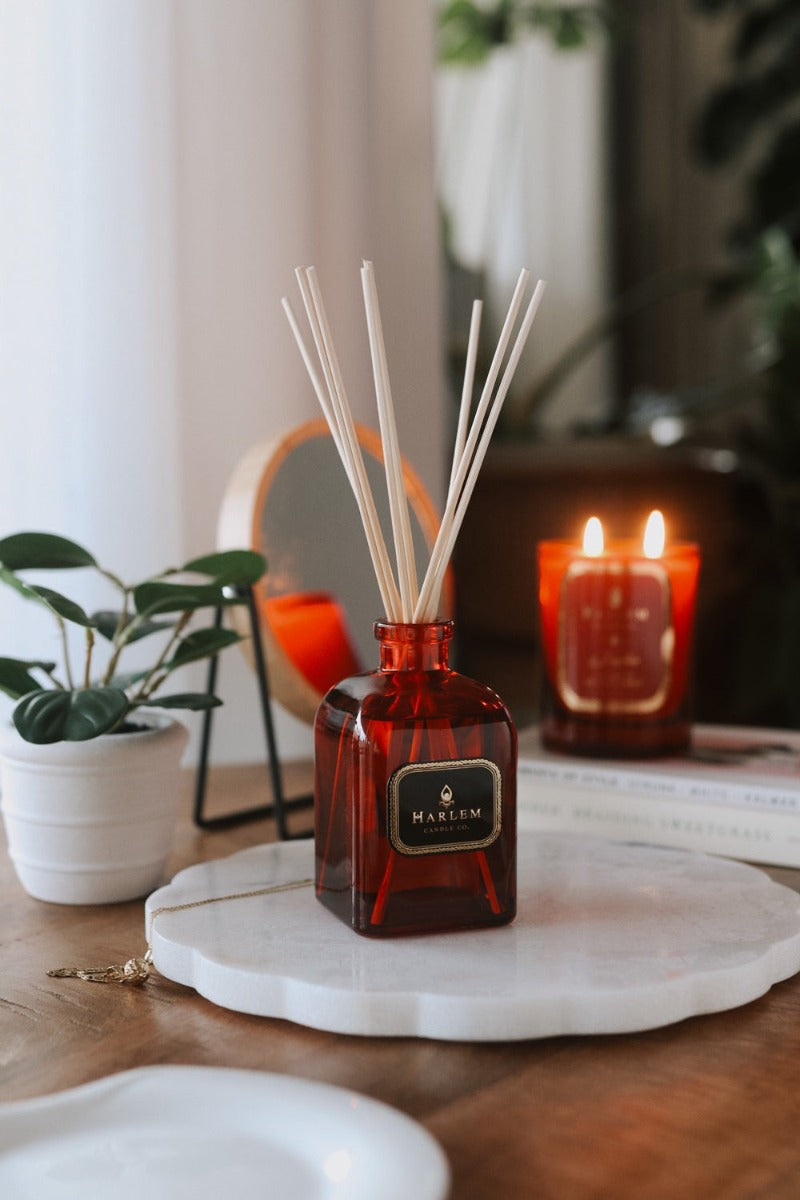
<point x="616" y="623"/>
<point x="655" y="535"/>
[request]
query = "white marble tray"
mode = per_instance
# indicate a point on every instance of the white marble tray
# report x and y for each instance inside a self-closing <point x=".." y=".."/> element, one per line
<point x="609" y="938"/>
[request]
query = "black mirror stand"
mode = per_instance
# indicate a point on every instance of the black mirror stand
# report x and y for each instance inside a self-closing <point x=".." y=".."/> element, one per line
<point x="280" y="806"/>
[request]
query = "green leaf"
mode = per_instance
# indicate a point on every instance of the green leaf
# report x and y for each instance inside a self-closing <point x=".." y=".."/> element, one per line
<point x="569" y="31"/>
<point x="466" y="33"/>
<point x="148" y="627"/>
<point x="154" y="597"/>
<point x="106" y="622"/>
<point x="19" y="585"/>
<point x="41" y="716"/>
<point x="230" y="566"/>
<point x="127" y="679"/>
<point x="191" y="700"/>
<point x="202" y="643"/>
<point x="65" y="608"/>
<point x="55" y="716"/>
<point x="53" y="600"/>
<point x="24" y="551"/>
<point x="15" y="677"/>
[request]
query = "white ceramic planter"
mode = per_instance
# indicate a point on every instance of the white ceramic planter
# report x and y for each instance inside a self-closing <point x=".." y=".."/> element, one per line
<point x="92" y="822"/>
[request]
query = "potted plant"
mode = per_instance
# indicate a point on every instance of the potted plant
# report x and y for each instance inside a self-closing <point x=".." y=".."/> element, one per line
<point x="88" y="766"/>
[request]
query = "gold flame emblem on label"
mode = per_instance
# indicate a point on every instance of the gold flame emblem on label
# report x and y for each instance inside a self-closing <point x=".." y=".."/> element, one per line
<point x="446" y="795"/>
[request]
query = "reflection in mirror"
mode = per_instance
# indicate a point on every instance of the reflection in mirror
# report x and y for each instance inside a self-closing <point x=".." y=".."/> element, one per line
<point x="290" y="499"/>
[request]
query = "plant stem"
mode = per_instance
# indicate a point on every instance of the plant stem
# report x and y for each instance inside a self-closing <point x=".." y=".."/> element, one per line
<point x="117" y="582"/>
<point x="88" y="661"/>
<point x="153" y="680"/>
<point x="121" y="634"/>
<point x="65" y="644"/>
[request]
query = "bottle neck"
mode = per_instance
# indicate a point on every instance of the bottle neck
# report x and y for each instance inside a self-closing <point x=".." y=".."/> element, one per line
<point x="423" y="647"/>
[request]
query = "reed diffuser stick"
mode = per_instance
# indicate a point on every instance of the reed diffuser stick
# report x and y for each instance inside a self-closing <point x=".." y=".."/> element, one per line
<point x="350" y="438"/>
<point x="462" y="465"/>
<point x="319" y="389"/>
<point x="432" y="586"/>
<point x="348" y="446"/>
<point x="398" y="501"/>
<point x="437" y="565"/>
<point x="408" y="602"/>
<point x="466" y="391"/>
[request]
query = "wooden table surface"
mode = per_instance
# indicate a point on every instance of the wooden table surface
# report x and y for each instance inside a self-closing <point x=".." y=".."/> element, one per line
<point x="706" y="1108"/>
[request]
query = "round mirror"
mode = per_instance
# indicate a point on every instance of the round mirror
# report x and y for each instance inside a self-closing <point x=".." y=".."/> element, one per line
<point x="289" y="499"/>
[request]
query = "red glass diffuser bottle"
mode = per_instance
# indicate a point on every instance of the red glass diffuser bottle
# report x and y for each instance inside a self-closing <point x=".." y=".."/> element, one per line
<point x="415" y="793"/>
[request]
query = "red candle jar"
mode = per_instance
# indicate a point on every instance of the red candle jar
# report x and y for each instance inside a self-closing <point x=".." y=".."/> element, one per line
<point x="616" y="635"/>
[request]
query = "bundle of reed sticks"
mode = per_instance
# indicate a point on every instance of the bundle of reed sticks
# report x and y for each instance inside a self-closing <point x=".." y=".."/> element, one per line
<point x="404" y="599"/>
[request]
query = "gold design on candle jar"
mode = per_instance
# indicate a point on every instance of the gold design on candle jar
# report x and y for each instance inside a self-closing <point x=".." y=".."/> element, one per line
<point x="616" y="639"/>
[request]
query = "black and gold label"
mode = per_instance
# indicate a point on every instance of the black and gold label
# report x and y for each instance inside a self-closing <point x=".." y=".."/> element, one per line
<point x="438" y="806"/>
<point x="616" y="638"/>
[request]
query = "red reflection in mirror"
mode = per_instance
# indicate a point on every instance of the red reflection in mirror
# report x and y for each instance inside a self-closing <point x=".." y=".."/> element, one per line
<point x="311" y="629"/>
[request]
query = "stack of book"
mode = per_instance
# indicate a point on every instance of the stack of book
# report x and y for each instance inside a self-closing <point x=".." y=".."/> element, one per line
<point x="736" y="792"/>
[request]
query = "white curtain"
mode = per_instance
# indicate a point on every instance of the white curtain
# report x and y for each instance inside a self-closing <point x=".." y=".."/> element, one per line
<point x="164" y="167"/>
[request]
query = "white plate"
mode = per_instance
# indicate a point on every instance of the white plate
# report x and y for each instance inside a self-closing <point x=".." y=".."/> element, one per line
<point x="204" y="1133"/>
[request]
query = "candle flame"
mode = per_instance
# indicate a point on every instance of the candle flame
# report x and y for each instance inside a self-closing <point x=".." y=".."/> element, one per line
<point x="593" y="537"/>
<point x="655" y="535"/>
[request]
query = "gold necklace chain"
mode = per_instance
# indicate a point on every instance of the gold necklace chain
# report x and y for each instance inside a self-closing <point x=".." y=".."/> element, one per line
<point x="137" y="970"/>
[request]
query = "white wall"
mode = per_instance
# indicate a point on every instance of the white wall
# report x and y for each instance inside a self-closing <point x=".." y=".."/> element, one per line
<point x="165" y="166"/>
